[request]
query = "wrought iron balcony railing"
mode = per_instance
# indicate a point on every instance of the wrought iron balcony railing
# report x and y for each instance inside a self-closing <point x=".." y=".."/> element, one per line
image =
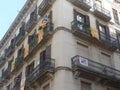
<point x="41" y="71"/>
<point x="109" y="39"/>
<point x="84" y="31"/>
<point x="2" y="60"/>
<point x="33" y="42"/>
<point x="95" y="69"/>
<point x="19" y="61"/>
<point x="6" y="74"/>
<point x="49" y="28"/>
<point x="84" y="4"/>
<point x="9" y="50"/>
<point x="19" y="37"/>
<point x="44" y="6"/>
<point x="31" y="22"/>
<point x="102" y="13"/>
<point x="81" y="27"/>
<point x="17" y="86"/>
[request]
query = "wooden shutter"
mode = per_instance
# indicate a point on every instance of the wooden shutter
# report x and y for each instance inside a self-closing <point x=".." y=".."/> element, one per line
<point x="75" y="14"/>
<point x="50" y="16"/>
<point x="48" y="51"/>
<point x="85" y="86"/>
<point x="29" y="39"/>
<point x="31" y="67"/>
<point x="107" y="31"/>
<point x="27" y="71"/>
<point x="41" y="56"/>
<point x="87" y="20"/>
<point x="97" y="24"/>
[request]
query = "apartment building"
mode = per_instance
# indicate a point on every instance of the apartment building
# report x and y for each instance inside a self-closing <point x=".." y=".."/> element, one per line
<point x="62" y="45"/>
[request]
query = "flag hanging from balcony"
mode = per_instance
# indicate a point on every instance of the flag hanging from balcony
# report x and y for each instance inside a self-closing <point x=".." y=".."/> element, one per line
<point x="26" y="52"/>
<point x="95" y="33"/>
<point x="13" y="65"/>
<point x="42" y="27"/>
<point x="40" y="35"/>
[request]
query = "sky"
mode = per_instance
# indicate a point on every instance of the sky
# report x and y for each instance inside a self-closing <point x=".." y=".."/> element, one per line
<point x="9" y="9"/>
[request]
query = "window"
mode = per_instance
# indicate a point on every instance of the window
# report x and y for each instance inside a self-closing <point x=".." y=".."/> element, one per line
<point x="85" y="86"/>
<point x="81" y="18"/>
<point x="9" y="87"/>
<point x="46" y="54"/>
<point x="106" y="59"/>
<point x="115" y="14"/>
<point x="17" y="82"/>
<point x="29" y="69"/>
<point x="118" y="38"/>
<point x="82" y="50"/>
<point x="103" y="31"/>
<point x="47" y="87"/>
<point x="21" y="51"/>
<point x="83" y="22"/>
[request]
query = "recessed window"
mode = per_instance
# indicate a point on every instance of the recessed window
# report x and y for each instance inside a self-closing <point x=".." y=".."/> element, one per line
<point x="103" y="31"/>
<point x="47" y="87"/>
<point x="83" y="50"/>
<point x="115" y="14"/>
<point x="29" y="69"/>
<point x="85" y="86"/>
<point x="106" y="59"/>
<point x="82" y="22"/>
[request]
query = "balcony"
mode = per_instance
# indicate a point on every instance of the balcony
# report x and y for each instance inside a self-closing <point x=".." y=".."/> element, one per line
<point x="102" y="13"/>
<point x="32" y="21"/>
<point x="83" y="67"/>
<point x="33" y="42"/>
<point x="1" y="82"/>
<point x="83" y="4"/>
<point x="110" y="42"/>
<point x="19" y="37"/>
<point x="17" y="85"/>
<point x="19" y="62"/>
<point x="44" y="6"/>
<point x="49" y="29"/>
<point x="6" y="74"/>
<point x="41" y="73"/>
<point x="2" y="60"/>
<point x="9" y="50"/>
<point x="81" y="29"/>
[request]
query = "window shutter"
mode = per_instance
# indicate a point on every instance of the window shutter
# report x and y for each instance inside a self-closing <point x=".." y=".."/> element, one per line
<point x="29" y="38"/>
<point x="50" y="16"/>
<point x="27" y="71"/>
<point x="97" y="24"/>
<point x="87" y="20"/>
<point x="48" y="51"/>
<point x="41" y="58"/>
<point x="31" y="67"/>
<point x="75" y="14"/>
<point x="107" y="32"/>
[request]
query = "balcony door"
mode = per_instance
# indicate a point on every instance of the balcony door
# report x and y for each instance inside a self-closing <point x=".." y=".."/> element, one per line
<point x="104" y="32"/>
<point x="82" y="22"/>
<point x="45" y="55"/>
